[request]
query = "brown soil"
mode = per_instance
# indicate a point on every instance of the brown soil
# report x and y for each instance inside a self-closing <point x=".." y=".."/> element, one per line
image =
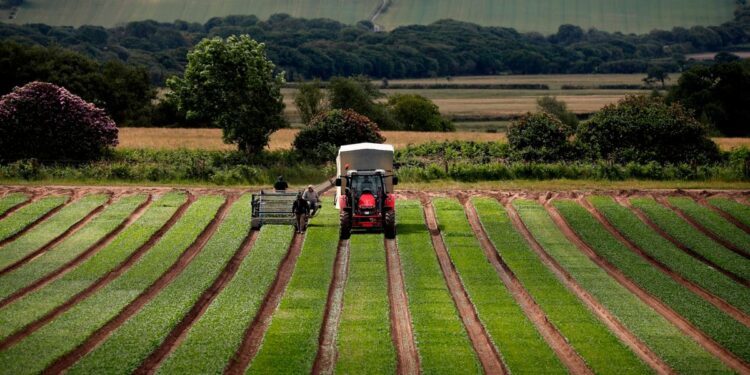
<point x="569" y="357"/>
<point x="480" y="339"/>
<point x="104" y="280"/>
<point x="58" y="239"/>
<point x="34" y="224"/>
<point x="656" y="228"/>
<point x="257" y="329"/>
<point x="93" y="249"/>
<point x="709" y="344"/>
<point x="67" y="360"/>
<point x="726" y="215"/>
<point x="151" y="364"/>
<point x="401" y="329"/>
<point x="17" y="207"/>
<point x="325" y="361"/>
<point x="703" y="229"/>
<point x="676" y="276"/>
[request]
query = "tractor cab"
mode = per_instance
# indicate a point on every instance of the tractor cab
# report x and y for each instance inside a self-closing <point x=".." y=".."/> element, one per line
<point x="367" y="189"/>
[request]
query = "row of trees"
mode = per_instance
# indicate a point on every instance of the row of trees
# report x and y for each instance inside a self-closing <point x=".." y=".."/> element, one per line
<point x="321" y="48"/>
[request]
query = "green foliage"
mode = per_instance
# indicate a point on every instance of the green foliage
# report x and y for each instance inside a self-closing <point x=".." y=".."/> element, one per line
<point x="718" y="95"/>
<point x="359" y="94"/>
<point x="644" y="129"/>
<point x="713" y="222"/>
<point x="26" y="215"/>
<point x="414" y="112"/>
<point x="559" y="109"/>
<point x="320" y="141"/>
<point x="310" y="101"/>
<point x="539" y="137"/>
<point x="656" y="73"/>
<point x="12" y="200"/>
<point x="232" y="83"/>
<point x="738" y="210"/>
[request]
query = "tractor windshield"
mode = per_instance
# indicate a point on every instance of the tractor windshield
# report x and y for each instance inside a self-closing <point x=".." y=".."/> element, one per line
<point x="367" y="184"/>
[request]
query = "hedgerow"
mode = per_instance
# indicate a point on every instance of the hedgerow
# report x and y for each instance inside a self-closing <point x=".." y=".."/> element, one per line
<point x="522" y="348"/>
<point x="22" y="218"/>
<point x="738" y="210"/>
<point x="680" y="352"/>
<point x="73" y="327"/>
<point x="12" y="200"/>
<point x="713" y="222"/>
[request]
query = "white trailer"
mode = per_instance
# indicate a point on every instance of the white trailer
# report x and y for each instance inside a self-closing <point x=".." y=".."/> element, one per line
<point x="364" y="157"/>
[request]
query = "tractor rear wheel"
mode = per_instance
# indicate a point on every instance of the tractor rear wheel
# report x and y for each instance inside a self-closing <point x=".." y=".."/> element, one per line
<point x="345" y="229"/>
<point x="390" y="224"/>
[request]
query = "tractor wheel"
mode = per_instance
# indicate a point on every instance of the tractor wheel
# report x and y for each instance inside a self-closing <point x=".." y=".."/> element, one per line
<point x="390" y="224"/>
<point x="345" y="229"/>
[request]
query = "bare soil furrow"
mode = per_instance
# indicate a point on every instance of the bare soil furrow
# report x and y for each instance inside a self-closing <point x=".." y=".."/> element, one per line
<point x="568" y="356"/>
<point x="704" y="340"/>
<point x="726" y="215"/>
<point x="401" y="328"/>
<point x="257" y="329"/>
<point x="103" y="281"/>
<point x="67" y="360"/>
<point x="480" y="339"/>
<point x="32" y="198"/>
<point x="325" y="361"/>
<point x="33" y="225"/>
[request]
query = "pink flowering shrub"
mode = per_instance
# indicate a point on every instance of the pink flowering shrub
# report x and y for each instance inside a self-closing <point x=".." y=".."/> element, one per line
<point x="46" y="122"/>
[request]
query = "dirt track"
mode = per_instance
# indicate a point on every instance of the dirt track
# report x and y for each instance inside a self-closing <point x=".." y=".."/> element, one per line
<point x="325" y="361"/>
<point x="401" y="329"/>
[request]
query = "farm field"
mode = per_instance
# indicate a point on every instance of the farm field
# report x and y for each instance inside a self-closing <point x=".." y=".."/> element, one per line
<point x="156" y="280"/>
<point x="639" y="16"/>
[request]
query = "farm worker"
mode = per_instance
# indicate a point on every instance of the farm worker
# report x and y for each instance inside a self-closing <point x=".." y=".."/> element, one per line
<point x="280" y="185"/>
<point x="300" y="209"/>
<point x="312" y="198"/>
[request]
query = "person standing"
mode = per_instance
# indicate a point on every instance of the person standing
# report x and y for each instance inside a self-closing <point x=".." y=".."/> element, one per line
<point x="300" y="208"/>
<point x="311" y="196"/>
<point x="280" y="186"/>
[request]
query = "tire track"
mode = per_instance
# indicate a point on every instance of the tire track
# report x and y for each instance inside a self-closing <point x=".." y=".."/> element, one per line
<point x="67" y="360"/>
<point x="695" y="224"/>
<point x="402" y="332"/>
<point x="103" y="281"/>
<point x="173" y="340"/>
<point x="722" y="305"/>
<point x="58" y="239"/>
<point x="32" y="198"/>
<point x="480" y="339"/>
<point x="93" y="249"/>
<point x="726" y="215"/>
<point x="257" y="329"/>
<point x="325" y="361"/>
<point x="568" y="356"/>
<point x="709" y="344"/>
<point x="655" y="227"/>
<point x="36" y="222"/>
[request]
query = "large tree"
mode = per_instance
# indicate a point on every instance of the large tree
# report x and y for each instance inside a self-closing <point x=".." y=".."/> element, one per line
<point x="233" y="84"/>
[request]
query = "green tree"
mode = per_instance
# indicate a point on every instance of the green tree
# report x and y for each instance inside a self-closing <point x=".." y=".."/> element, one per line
<point x="559" y="109"/>
<point x="417" y="113"/>
<point x="656" y="73"/>
<point x="360" y="95"/>
<point x="538" y="137"/>
<point x="310" y="101"/>
<point x="320" y="141"/>
<point x="232" y="83"/>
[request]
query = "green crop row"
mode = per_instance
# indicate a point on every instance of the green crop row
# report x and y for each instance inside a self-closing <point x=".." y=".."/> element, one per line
<point x="523" y="349"/>
<point x="215" y="337"/>
<point x="124" y="351"/>
<point x="364" y="336"/>
<point x="713" y="222"/>
<point x="693" y="269"/>
<point x="40" y="302"/>
<point x="680" y="352"/>
<point x="291" y="341"/>
<point x="441" y="339"/>
<point x="29" y="214"/>
<point x="50" y="228"/>
<point x="73" y="327"/>
<point x="604" y="352"/>
<point x="11" y="200"/>
<point x="71" y="247"/>
<point x="740" y="211"/>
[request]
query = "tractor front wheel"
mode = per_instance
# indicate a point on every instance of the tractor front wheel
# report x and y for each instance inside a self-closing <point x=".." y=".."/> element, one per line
<point x="390" y="224"/>
<point x="345" y="230"/>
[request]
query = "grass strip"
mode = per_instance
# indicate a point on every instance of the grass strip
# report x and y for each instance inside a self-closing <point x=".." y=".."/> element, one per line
<point x="717" y="283"/>
<point x="682" y="231"/>
<point x="582" y="329"/>
<point x="50" y="228"/>
<point x="740" y="211"/>
<point x="29" y="214"/>
<point x="11" y="200"/>
<point x="42" y="301"/>
<point x="679" y="351"/>
<point x="66" y="332"/>
<point x="713" y="222"/>
<point x="523" y="349"/>
<point x="214" y="339"/>
<point x="444" y="346"/>
<point x="291" y="341"/>
<point x="71" y="247"/>
<point x="364" y="336"/>
<point x="124" y="351"/>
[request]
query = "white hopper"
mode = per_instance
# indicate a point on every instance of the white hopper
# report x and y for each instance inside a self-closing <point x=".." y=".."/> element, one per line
<point x="364" y="156"/>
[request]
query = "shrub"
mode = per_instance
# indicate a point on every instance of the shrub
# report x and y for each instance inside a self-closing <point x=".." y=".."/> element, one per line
<point x="559" y="109"/>
<point x="538" y="137"/>
<point x="320" y="141"/>
<point x="644" y="129"/>
<point x="417" y="113"/>
<point x="47" y="122"/>
<point x="360" y="95"/>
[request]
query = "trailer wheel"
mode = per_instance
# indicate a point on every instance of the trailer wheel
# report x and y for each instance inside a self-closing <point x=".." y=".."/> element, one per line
<point x="345" y="229"/>
<point x="390" y="224"/>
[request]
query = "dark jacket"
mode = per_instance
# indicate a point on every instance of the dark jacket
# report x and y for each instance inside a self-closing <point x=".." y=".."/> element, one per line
<point x="280" y="185"/>
<point x="300" y="206"/>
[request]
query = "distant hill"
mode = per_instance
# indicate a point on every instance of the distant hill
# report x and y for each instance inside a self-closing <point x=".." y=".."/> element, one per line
<point x="629" y="16"/>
